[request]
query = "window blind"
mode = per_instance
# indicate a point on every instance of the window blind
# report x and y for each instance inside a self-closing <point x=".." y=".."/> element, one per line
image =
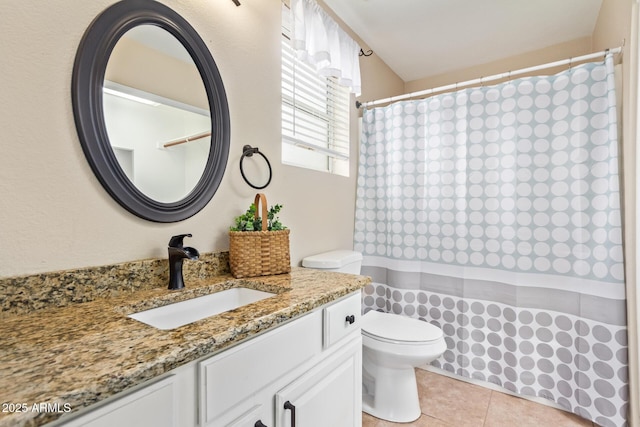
<point x="315" y="109"/>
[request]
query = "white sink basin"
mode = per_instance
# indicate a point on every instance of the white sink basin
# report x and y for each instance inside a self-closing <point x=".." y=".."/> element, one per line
<point x="182" y="313"/>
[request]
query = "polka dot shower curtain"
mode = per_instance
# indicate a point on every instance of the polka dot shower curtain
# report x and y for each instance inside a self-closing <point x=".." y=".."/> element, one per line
<point x="494" y="213"/>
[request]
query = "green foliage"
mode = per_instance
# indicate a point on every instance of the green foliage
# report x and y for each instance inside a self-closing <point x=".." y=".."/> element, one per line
<point x="248" y="221"/>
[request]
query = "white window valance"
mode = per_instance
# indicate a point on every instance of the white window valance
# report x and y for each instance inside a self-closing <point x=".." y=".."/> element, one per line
<point x="319" y="41"/>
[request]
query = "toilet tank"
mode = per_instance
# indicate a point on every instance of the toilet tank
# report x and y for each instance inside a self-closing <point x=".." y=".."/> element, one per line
<point x="343" y="261"/>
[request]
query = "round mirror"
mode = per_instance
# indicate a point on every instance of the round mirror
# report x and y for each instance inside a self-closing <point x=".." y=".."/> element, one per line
<point x="151" y="110"/>
<point x="156" y="113"/>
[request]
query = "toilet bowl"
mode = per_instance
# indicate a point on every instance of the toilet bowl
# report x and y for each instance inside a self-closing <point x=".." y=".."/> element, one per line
<point x="392" y="346"/>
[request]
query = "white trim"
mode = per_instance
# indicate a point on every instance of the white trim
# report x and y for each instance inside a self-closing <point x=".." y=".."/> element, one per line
<point x="632" y="215"/>
<point x="313" y="147"/>
<point x="149" y="98"/>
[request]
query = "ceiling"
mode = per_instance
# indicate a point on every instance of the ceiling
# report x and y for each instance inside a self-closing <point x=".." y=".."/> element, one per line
<point x="421" y="38"/>
<point x="161" y="40"/>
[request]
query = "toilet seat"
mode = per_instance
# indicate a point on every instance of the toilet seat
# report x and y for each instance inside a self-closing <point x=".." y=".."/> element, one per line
<point x="395" y="329"/>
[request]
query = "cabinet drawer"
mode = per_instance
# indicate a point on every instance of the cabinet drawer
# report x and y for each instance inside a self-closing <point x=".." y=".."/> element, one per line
<point x="341" y="318"/>
<point x="228" y="380"/>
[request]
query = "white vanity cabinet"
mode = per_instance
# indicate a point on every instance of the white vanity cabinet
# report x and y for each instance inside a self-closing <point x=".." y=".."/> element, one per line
<point x="313" y="364"/>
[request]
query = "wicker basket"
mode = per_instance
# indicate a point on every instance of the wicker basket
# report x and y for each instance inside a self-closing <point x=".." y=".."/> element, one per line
<point x="259" y="253"/>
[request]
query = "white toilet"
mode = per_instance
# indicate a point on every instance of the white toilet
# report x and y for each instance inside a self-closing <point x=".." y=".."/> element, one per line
<point x="392" y="346"/>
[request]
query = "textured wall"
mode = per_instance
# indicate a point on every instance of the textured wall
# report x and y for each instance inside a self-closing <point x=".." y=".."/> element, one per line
<point x="56" y="215"/>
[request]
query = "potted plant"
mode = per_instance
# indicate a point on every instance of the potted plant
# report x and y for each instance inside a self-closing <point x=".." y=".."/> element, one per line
<point x="258" y="242"/>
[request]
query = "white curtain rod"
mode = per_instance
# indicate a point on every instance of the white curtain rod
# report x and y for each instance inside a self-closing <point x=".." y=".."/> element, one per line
<point x="483" y="80"/>
<point x="186" y="139"/>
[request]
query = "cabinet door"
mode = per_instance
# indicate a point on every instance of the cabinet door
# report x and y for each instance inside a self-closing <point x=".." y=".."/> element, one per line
<point x="327" y="395"/>
<point x="152" y="406"/>
<point x="230" y="380"/>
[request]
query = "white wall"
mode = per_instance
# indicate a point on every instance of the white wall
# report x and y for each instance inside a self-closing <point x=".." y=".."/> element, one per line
<point x="55" y="214"/>
<point x="614" y="28"/>
<point x="164" y="174"/>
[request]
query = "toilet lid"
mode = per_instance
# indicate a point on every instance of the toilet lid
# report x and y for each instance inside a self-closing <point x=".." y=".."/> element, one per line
<point x="394" y="327"/>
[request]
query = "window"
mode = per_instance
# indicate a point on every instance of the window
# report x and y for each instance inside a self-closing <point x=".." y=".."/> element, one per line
<point x="315" y="114"/>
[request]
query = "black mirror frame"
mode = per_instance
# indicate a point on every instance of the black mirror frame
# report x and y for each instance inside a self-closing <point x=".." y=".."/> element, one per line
<point x="86" y="87"/>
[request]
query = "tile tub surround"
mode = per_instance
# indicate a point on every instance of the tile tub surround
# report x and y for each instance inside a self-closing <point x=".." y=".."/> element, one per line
<point x="79" y="354"/>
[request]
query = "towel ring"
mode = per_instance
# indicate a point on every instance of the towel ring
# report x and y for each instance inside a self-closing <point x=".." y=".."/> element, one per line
<point x="248" y="151"/>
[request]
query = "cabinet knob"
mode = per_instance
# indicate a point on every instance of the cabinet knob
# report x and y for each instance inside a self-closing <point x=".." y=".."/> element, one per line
<point x="351" y="319"/>
<point x="259" y="423"/>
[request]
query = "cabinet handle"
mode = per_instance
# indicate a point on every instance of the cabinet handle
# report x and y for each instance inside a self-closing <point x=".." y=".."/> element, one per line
<point x="351" y="319"/>
<point x="292" y="408"/>
<point x="259" y="423"/>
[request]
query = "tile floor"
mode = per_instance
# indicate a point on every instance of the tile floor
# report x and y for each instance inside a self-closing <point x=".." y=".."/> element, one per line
<point x="446" y="402"/>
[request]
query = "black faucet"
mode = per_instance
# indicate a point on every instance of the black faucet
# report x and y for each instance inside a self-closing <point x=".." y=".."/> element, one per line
<point x="177" y="253"/>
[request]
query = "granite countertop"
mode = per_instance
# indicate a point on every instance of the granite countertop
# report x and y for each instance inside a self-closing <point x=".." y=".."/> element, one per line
<point x="72" y="356"/>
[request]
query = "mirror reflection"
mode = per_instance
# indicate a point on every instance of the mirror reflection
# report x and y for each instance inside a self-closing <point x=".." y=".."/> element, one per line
<point x="156" y="113"/>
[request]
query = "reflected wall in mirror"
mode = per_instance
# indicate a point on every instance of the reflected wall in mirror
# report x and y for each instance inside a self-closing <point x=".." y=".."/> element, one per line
<point x="151" y="110"/>
<point x="155" y="106"/>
